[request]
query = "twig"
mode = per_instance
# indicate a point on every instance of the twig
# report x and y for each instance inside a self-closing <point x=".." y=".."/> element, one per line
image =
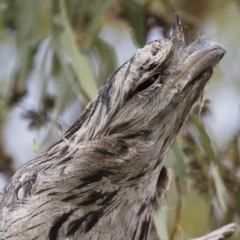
<point x="221" y="233"/>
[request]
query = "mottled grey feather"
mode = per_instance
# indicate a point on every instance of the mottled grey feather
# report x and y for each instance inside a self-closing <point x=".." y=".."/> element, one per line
<point x="104" y="179"/>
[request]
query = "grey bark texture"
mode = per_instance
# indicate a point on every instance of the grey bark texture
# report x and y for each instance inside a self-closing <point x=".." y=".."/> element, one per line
<point x="104" y="179"/>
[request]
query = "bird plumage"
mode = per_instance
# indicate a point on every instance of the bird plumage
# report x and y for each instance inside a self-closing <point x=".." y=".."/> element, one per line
<point x="105" y="177"/>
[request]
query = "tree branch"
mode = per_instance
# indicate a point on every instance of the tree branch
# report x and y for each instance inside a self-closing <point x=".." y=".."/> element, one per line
<point x="221" y="233"/>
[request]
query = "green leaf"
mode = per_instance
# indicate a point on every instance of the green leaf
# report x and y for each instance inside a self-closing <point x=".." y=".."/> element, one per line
<point x="26" y="16"/>
<point x="135" y="14"/>
<point x="100" y="10"/>
<point x="220" y="188"/>
<point x="179" y="166"/>
<point x="106" y="59"/>
<point x="210" y="154"/>
<point x="26" y="19"/>
<point x="66" y="86"/>
<point x="237" y="199"/>
<point x="160" y="220"/>
<point x="204" y="139"/>
<point x="79" y="61"/>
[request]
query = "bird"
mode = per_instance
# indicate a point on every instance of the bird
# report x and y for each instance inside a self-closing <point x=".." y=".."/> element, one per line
<point x="106" y="176"/>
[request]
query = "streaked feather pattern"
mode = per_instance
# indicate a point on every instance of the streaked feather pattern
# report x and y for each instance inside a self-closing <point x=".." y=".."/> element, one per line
<point x="104" y="179"/>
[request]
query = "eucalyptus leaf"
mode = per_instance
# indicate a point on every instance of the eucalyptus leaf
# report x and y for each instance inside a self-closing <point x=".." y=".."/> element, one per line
<point x="179" y="166"/>
<point x="65" y="87"/>
<point x="220" y="188"/>
<point x="26" y="17"/>
<point x="237" y="199"/>
<point x="101" y="8"/>
<point x="107" y="60"/>
<point x="79" y="61"/>
<point x="160" y="220"/>
<point x="134" y="13"/>
<point x="204" y="139"/>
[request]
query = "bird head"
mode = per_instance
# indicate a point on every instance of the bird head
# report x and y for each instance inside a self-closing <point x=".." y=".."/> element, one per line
<point x="152" y="93"/>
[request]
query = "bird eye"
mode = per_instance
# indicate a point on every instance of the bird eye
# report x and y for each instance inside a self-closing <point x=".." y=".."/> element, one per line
<point x="146" y="84"/>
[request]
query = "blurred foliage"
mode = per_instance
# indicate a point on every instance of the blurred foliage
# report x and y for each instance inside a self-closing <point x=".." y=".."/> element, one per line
<point x="61" y="40"/>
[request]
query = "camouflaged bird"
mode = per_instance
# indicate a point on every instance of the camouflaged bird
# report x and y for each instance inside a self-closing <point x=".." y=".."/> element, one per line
<point x="104" y="179"/>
